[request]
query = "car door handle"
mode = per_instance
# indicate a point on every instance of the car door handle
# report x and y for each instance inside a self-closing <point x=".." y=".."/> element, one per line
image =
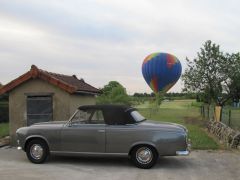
<point x="101" y="130"/>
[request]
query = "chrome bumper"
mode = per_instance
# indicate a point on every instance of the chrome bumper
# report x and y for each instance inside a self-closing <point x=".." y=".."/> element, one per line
<point x="19" y="147"/>
<point x="187" y="151"/>
<point x="182" y="153"/>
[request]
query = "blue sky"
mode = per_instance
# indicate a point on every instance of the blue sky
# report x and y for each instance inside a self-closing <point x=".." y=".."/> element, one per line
<point x="103" y="40"/>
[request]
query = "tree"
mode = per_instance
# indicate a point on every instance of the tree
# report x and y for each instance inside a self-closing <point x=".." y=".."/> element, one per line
<point x="213" y="74"/>
<point x="107" y="89"/>
<point x="113" y="93"/>
<point x="231" y="70"/>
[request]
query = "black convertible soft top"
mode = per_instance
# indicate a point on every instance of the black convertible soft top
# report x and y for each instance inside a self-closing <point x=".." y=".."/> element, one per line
<point x="113" y="114"/>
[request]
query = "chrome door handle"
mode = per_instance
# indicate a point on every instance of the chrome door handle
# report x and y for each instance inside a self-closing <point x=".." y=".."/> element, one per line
<point x="101" y="130"/>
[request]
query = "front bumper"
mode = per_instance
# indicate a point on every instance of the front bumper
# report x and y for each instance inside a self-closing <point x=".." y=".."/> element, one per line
<point x="18" y="147"/>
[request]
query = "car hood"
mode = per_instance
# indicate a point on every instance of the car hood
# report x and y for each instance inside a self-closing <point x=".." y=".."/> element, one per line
<point x="163" y="126"/>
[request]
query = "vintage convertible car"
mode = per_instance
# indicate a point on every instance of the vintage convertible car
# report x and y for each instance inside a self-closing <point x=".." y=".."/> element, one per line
<point x="104" y="130"/>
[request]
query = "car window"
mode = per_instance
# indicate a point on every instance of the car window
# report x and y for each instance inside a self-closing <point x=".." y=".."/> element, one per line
<point x="97" y="117"/>
<point x="88" y="117"/>
<point x="82" y="117"/>
<point x="137" y="116"/>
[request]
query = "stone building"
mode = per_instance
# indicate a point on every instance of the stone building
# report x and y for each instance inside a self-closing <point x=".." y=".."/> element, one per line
<point x="40" y="96"/>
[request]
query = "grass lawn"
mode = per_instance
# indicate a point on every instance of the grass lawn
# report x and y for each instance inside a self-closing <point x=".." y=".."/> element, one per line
<point x="187" y="113"/>
<point x="235" y="119"/>
<point x="4" y="129"/>
<point x="3" y="103"/>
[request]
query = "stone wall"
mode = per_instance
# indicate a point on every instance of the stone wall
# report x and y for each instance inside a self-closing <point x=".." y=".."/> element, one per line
<point x="224" y="133"/>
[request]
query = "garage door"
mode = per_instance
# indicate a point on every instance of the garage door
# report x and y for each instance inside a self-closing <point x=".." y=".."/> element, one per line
<point x="39" y="109"/>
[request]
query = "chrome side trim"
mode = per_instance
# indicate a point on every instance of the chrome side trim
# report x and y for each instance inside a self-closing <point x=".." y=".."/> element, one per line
<point x="88" y="153"/>
<point x="182" y="153"/>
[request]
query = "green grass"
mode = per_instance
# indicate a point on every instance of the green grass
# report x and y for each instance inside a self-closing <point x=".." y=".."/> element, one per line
<point x="177" y="104"/>
<point x="200" y="139"/>
<point x="4" y="129"/>
<point x="3" y="103"/>
<point x="235" y="119"/>
<point x="187" y="113"/>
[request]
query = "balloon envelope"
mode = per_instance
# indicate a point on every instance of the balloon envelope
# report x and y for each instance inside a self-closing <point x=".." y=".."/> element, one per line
<point x="161" y="71"/>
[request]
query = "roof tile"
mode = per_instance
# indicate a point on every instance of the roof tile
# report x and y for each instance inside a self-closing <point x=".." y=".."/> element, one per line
<point x="68" y="83"/>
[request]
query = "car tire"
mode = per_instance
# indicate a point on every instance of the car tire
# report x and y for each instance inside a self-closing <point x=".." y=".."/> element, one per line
<point x="37" y="151"/>
<point x="144" y="156"/>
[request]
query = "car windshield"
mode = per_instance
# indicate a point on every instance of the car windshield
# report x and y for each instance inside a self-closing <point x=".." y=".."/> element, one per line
<point x="137" y="116"/>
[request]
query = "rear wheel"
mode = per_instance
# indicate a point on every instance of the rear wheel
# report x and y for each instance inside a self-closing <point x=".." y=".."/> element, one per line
<point x="144" y="156"/>
<point x="37" y="151"/>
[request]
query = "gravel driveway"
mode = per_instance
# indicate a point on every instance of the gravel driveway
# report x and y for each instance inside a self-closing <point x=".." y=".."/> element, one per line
<point x="202" y="165"/>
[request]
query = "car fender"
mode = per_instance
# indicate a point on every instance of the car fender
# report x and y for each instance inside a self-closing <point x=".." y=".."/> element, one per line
<point x="143" y="142"/>
<point x="36" y="136"/>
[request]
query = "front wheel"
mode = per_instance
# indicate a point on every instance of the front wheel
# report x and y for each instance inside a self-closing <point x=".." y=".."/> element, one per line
<point x="144" y="156"/>
<point x="37" y="151"/>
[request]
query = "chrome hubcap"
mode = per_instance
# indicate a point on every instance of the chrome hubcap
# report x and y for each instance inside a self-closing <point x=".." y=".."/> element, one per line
<point x="36" y="151"/>
<point x="144" y="155"/>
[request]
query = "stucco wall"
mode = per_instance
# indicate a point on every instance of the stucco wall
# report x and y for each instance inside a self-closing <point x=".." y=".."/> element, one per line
<point x="76" y="101"/>
<point x="64" y="104"/>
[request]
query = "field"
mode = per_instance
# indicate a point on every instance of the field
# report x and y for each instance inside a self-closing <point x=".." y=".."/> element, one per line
<point x="187" y="113"/>
<point x="4" y="129"/>
<point x="235" y="119"/>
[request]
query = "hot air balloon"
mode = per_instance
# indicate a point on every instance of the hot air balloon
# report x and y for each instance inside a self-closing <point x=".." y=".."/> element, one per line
<point x="161" y="71"/>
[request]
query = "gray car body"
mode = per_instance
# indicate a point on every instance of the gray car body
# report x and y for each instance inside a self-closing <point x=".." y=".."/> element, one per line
<point x="63" y="137"/>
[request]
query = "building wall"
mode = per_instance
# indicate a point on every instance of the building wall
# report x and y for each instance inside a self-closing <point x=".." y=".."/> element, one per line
<point x="77" y="100"/>
<point x="64" y="104"/>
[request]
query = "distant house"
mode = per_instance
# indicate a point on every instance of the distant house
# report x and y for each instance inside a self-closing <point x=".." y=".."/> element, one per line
<point x="40" y="96"/>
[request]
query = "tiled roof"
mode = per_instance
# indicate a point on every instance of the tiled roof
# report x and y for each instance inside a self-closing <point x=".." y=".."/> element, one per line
<point x="71" y="84"/>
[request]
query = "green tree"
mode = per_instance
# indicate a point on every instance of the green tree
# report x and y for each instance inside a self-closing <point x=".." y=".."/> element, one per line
<point x="113" y="93"/>
<point x="204" y="74"/>
<point x="231" y="70"/>
<point x="213" y="74"/>
<point x="107" y="89"/>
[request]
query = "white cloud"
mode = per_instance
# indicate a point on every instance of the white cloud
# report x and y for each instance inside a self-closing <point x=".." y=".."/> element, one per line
<point x="107" y="40"/>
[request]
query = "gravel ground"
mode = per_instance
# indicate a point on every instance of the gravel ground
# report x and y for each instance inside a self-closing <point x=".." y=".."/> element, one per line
<point x="202" y="165"/>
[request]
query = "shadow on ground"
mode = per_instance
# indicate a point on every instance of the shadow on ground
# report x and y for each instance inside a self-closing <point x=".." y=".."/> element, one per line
<point x="163" y="162"/>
